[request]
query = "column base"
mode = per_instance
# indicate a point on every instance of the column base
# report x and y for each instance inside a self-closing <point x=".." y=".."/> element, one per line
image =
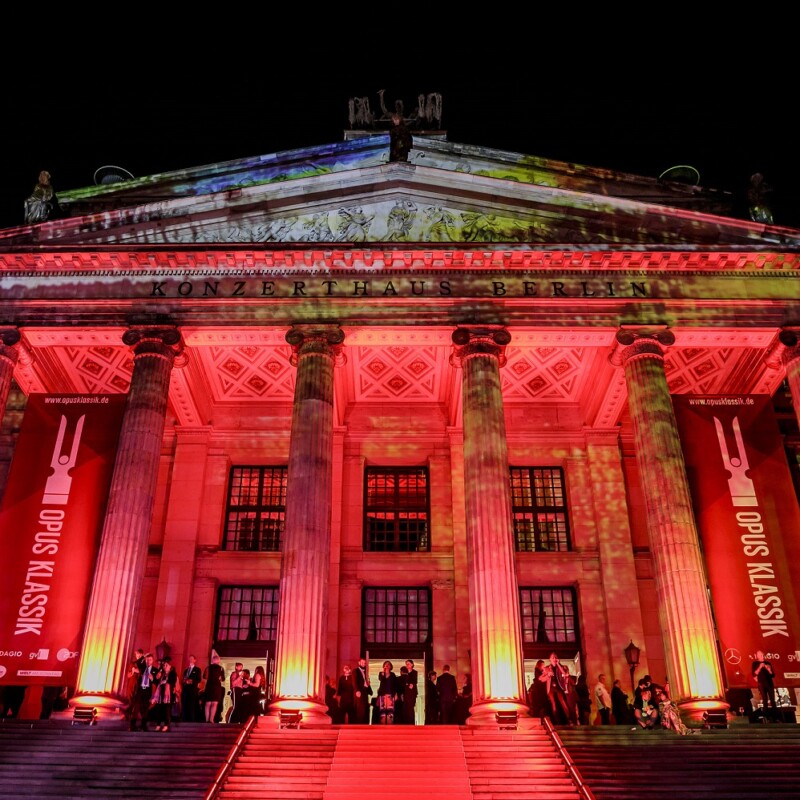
<point x="499" y="714"/>
<point x="95" y="709"/>
<point x="693" y="711"/>
<point x="296" y="713"/>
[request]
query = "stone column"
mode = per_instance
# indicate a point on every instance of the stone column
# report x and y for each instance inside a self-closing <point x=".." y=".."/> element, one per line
<point x="301" y="634"/>
<point x="495" y="626"/>
<point x="684" y="609"/>
<point x="9" y="338"/>
<point x="108" y="641"/>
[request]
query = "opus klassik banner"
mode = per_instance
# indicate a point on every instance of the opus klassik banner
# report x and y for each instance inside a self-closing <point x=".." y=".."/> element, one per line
<point x="50" y="526"/>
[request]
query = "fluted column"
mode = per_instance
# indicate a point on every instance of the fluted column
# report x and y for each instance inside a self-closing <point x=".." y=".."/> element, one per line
<point x="495" y="627"/>
<point x="111" y="620"/>
<point x="9" y="353"/>
<point x="684" y="608"/>
<point x="301" y="634"/>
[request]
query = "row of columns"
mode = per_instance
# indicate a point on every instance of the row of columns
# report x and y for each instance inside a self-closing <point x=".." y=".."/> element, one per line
<point x="495" y="626"/>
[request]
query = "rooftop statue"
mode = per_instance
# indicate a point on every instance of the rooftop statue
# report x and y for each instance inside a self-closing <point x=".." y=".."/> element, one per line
<point x="42" y="204"/>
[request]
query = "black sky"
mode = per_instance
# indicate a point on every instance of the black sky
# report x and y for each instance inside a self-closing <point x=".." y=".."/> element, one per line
<point x="628" y="104"/>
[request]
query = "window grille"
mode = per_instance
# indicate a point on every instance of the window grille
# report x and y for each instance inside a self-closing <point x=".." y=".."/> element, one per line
<point x="396" y="509"/>
<point x="256" y="511"/>
<point x="247" y="614"/>
<point x="396" y="616"/>
<point x="548" y="616"/>
<point x="539" y="509"/>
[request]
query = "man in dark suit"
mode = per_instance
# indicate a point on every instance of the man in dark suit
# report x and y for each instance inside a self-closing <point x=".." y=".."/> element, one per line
<point x="190" y="702"/>
<point x="448" y="694"/>
<point x="363" y="692"/>
<point x="143" y="693"/>
<point x="410" y="691"/>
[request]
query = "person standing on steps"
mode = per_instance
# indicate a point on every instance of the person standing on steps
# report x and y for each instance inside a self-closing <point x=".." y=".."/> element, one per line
<point x="363" y="692"/>
<point x="190" y="702"/>
<point x="410" y="691"/>
<point x="603" y="700"/>
<point x="448" y="694"/>
<point x="764" y="674"/>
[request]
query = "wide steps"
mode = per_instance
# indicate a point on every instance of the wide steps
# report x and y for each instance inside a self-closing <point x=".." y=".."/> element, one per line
<point x="742" y="762"/>
<point x="515" y="765"/>
<point x="49" y="759"/>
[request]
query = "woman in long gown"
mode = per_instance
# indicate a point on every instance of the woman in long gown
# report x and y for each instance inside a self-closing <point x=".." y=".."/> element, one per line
<point x="670" y="717"/>
<point x="387" y="693"/>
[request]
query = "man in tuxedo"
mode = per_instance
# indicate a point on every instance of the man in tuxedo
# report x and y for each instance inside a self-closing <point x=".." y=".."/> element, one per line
<point x="363" y="692"/>
<point x="143" y="693"/>
<point x="190" y="702"/>
<point x="410" y="691"/>
<point x="448" y="694"/>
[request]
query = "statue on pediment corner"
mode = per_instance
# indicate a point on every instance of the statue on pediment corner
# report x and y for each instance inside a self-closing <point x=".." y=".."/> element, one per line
<point x="43" y="203"/>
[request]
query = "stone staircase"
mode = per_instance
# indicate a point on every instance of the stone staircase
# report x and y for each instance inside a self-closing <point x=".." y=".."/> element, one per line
<point x="56" y="760"/>
<point x="282" y="764"/>
<point x="741" y="762"/>
<point x="515" y="765"/>
<point x="398" y="762"/>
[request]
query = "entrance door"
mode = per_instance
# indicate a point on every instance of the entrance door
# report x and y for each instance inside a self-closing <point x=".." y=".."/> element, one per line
<point x="375" y="665"/>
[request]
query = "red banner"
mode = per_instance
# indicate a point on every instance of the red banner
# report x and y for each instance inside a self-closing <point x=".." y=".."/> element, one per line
<point x="50" y="525"/>
<point x="749" y="523"/>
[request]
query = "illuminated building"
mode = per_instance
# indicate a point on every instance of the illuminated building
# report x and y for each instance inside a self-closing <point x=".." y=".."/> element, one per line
<point x="417" y="409"/>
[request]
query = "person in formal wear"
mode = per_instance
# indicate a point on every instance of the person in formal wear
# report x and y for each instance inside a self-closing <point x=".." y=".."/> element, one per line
<point x="163" y="695"/>
<point x="556" y="678"/>
<point x="144" y="692"/>
<point x="190" y="680"/>
<point x="538" y="701"/>
<point x="258" y="683"/>
<point x="669" y="714"/>
<point x="764" y="674"/>
<point x="244" y="698"/>
<point x="410" y="691"/>
<point x="388" y="687"/>
<point x="463" y="702"/>
<point x="234" y="689"/>
<point x="620" y="709"/>
<point x="431" y="699"/>
<point x="645" y="711"/>
<point x="346" y="695"/>
<point x="214" y="676"/>
<point x="583" y="700"/>
<point x="399" y="714"/>
<point x="603" y="699"/>
<point x="363" y="692"/>
<point x="448" y="694"/>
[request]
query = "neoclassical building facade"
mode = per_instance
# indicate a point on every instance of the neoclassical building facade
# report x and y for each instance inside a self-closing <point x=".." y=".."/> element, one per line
<point x="440" y="409"/>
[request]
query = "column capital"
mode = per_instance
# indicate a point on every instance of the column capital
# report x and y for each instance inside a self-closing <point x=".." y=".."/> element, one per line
<point x="787" y="348"/>
<point x="154" y="340"/>
<point x="9" y="338"/>
<point x="488" y="340"/>
<point x="320" y="339"/>
<point x="632" y="341"/>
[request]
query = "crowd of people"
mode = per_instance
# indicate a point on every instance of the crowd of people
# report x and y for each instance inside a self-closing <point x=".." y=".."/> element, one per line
<point x="567" y="700"/>
<point x="159" y="696"/>
<point x="353" y="699"/>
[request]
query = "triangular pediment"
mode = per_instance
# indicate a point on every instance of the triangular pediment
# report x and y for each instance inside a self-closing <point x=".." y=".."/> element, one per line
<point x="351" y="193"/>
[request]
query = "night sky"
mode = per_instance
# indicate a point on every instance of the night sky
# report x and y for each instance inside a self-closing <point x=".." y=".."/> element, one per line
<point x="642" y="106"/>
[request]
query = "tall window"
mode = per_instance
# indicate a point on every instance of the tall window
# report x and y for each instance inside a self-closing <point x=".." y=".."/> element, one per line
<point x="247" y="614"/>
<point x="396" y="616"/>
<point x="256" y="508"/>
<point x="539" y="507"/>
<point x="548" y="616"/>
<point x="396" y="509"/>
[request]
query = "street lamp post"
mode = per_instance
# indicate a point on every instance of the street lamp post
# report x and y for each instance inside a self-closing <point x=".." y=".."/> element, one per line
<point x="632" y="657"/>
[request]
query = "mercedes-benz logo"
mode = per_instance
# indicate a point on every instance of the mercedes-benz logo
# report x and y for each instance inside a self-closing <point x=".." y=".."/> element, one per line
<point x="733" y="656"/>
